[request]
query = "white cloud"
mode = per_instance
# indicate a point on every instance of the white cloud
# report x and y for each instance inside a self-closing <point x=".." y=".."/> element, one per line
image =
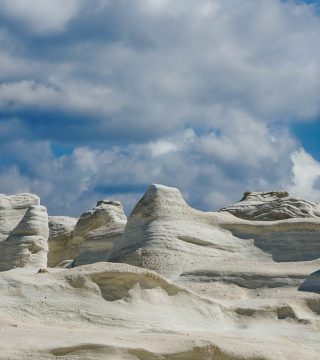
<point x="162" y="147"/>
<point x="208" y="179"/>
<point x="40" y="17"/>
<point x="305" y="174"/>
<point x="262" y="56"/>
<point x="26" y="93"/>
<point x="197" y="94"/>
<point x="13" y="182"/>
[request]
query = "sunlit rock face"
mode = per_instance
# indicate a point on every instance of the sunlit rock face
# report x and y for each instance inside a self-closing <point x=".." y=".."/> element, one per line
<point x="12" y="210"/>
<point x="179" y="283"/>
<point x="74" y="242"/>
<point x="165" y="234"/>
<point x="295" y="238"/>
<point x="273" y="205"/>
<point x="23" y="232"/>
<point x="97" y="231"/>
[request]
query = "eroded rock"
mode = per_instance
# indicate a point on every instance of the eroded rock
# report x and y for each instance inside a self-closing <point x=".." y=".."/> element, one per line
<point x="273" y="205"/>
<point x="97" y="231"/>
<point x="230" y="289"/>
<point x="165" y="234"/>
<point x="24" y="232"/>
<point x="60" y="237"/>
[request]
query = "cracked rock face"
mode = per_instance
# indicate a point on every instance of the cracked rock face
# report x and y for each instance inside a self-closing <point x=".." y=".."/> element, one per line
<point x="274" y="205"/>
<point x="23" y="232"/>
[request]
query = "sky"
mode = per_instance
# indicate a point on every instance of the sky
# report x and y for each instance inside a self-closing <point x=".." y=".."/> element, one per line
<point x="100" y="98"/>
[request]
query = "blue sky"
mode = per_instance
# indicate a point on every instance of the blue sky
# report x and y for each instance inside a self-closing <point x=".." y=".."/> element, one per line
<point x="99" y="98"/>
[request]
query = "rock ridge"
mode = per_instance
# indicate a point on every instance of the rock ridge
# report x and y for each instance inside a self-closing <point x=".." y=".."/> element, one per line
<point x="272" y="205"/>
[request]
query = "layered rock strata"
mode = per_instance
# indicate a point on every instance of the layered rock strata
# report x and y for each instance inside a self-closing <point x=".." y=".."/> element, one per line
<point x="97" y="231"/>
<point x="60" y="238"/>
<point x="273" y="205"/>
<point x="139" y="314"/>
<point x="23" y="232"/>
<point x="224" y="287"/>
<point x="165" y="234"/>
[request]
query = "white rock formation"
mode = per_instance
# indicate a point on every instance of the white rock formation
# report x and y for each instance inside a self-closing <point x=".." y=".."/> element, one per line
<point x="12" y="210"/>
<point x="120" y="312"/>
<point x="274" y="205"/>
<point x="225" y="288"/>
<point x="164" y="234"/>
<point x="60" y="237"/>
<point x="259" y="268"/>
<point x="97" y="230"/>
<point x="23" y="232"/>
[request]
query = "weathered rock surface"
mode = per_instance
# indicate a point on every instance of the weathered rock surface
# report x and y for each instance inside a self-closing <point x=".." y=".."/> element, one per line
<point x="87" y="239"/>
<point x="224" y="288"/>
<point x="12" y="210"/>
<point x="274" y="205"/>
<point x="139" y="314"/>
<point x="259" y="268"/>
<point x="97" y="231"/>
<point x="23" y="232"/>
<point x="60" y="237"/>
<point x="164" y="234"/>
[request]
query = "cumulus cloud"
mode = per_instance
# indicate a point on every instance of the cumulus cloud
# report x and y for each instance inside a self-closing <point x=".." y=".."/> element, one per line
<point x="305" y="176"/>
<point x="207" y="179"/>
<point x="40" y="17"/>
<point x="170" y="65"/>
<point x="198" y="94"/>
<point x="12" y="181"/>
<point x="26" y="93"/>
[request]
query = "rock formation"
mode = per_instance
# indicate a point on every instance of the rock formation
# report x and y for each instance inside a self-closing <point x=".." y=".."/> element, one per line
<point x="274" y="205"/>
<point x="12" y="210"/>
<point x="23" y="232"/>
<point x="179" y="283"/>
<point x="96" y="232"/>
<point x="164" y="234"/>
<point x="312" y="284"/>
<point x="60" y="238"/>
